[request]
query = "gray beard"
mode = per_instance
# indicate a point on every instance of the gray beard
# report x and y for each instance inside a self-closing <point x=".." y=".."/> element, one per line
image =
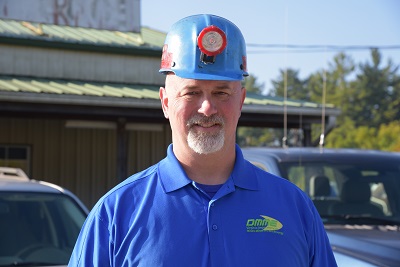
<point x="204" y="143"/>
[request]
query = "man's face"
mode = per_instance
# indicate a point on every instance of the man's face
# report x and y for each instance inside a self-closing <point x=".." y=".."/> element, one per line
<point x="203" y="114"/>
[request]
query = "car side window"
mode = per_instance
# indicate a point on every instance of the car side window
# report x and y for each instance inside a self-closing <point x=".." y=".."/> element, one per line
<point x="296" y="175"/>
<point x="304" y="176"/>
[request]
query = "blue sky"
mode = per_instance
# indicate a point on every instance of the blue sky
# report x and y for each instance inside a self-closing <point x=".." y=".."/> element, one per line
<point x="301" y="22"/>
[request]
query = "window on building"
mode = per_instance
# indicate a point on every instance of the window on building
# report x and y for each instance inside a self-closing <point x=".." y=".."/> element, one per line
<point x="15" y="156"/>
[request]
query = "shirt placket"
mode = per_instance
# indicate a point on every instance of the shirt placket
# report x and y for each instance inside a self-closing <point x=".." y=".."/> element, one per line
<point x="216" y="224"/>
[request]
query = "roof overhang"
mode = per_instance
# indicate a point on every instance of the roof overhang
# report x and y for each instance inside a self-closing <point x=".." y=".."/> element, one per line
<point x="31" y="97"/>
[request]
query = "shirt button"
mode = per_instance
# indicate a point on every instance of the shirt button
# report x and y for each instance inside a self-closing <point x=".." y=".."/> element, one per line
<point x="212" y="204"/>
<point x="214" y="227"/>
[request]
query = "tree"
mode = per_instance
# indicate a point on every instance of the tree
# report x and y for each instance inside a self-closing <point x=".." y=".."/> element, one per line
<point x="344" y="135"/>
<point x="251" y="84"/>
<point x="370" y="103"/>
<point x="336" y="83"/>
<point x="393" y="110"/>
<point x="296" y="88"/>
<point x="373" y="93"/>
<point x="388" y="137"/>
<point x="334" y="80"/>
<point x="255" y="136"/>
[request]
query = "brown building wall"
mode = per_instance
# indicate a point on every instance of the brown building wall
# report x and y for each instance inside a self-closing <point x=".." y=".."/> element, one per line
<point x="83" y="161"/>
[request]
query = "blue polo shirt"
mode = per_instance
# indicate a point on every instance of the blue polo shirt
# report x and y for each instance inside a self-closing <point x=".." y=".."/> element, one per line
<point x="159" y="217"/>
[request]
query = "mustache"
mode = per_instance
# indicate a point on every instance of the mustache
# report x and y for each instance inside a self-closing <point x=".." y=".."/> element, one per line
<point x="203" y="120"/>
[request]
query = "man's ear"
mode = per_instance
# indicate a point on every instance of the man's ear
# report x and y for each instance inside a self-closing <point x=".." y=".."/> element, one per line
<point x="164" y="101"/>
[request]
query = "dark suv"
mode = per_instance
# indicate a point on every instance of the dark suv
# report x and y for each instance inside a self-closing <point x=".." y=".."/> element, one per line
<point x="357" y="193"/>
<point x="39" y="221"/>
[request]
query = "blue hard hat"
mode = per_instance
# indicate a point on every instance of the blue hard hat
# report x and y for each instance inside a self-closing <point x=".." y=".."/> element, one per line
<point x="205" y="47"/>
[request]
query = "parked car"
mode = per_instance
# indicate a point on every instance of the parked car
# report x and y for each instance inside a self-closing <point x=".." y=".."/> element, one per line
<point x="356" y="192"/>
<point x="39" y="221"/>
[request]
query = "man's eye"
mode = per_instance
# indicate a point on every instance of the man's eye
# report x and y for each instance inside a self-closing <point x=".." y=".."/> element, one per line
<point x="221" y="93"/>
<point x="192" y="93"/>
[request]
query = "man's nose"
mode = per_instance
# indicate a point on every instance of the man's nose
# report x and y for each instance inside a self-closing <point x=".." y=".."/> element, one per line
<point x="207" y="107"/>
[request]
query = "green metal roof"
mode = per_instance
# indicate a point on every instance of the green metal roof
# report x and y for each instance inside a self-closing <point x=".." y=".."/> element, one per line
<point x="252" y="98"/>
<point x="116" y="90"/>
<point x="21" y="31"/>
<point x="66" y="87"/>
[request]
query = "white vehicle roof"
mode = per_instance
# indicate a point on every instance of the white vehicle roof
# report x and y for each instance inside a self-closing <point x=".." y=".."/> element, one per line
<point x="16" y="180"/>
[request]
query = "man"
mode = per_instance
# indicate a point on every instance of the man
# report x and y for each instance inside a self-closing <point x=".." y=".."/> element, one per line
<point x="203" y="205"/>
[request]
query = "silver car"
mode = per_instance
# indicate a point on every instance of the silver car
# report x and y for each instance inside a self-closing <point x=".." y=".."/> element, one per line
<point x="356" y="192"/>
<point x="39" y="221"/>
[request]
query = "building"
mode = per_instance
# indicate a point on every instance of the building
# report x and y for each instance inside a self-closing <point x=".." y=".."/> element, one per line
<point x="79" y="107"/>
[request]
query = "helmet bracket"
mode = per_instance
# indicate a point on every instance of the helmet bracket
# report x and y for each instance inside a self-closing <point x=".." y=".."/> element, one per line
<point x="207" y="59"/>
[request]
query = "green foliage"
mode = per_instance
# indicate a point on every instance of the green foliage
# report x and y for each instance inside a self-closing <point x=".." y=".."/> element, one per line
<point x="370" y="109"/>
<point x="343" y="135"/>
<point x="251" y="85"/>
<point x="386" y="137"/>
<point x="253" y="136"/>
<point x="296" y="88"/>
<point x="369" y="102"/>
<point x="336" y="84"/>
<point x="373" y="93"/>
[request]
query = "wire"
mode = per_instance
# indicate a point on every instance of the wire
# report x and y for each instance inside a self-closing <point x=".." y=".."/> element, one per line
<point x="322" y="136"/>
<point x="285" y="89"/>
<point x="275" y="48"/>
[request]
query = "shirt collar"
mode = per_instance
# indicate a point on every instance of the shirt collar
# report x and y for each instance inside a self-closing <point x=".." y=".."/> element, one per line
<point x="171" y="173"/>
<point x="243" y="174"/>
<point x="173" y="177"/>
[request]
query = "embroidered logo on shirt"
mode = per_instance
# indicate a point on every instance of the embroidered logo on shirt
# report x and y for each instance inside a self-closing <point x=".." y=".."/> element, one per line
<point x="264" y="224"/>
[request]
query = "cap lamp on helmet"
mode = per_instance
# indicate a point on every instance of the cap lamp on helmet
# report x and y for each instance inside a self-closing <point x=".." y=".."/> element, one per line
<point x="205" y="47"/>
<point x="211" y="41"/>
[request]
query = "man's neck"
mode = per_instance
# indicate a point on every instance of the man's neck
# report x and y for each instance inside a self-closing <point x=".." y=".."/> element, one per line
<point x="209" y="169"/>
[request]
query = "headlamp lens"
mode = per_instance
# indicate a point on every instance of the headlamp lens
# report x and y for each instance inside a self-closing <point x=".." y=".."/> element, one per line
<point x="211" y="41"/>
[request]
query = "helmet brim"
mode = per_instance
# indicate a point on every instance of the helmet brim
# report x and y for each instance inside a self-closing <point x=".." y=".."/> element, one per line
<point x="206" y="76"/>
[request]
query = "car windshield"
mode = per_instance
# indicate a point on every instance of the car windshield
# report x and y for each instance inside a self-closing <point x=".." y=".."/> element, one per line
<point x="350" y="191"/>
<point x="38" y="228"/>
